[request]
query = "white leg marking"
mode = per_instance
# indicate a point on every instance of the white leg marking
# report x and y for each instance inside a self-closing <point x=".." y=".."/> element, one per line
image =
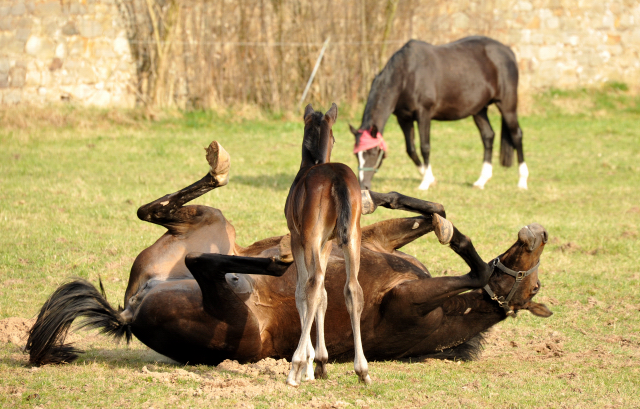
<point x="485" y="175"/>
<point x="422" y="169"/>
<point x="524" y="174"/>
<point x="361" y="165"/>
<point x="427" y="180"/>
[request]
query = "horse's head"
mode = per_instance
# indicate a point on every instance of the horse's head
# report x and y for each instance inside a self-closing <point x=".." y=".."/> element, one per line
<point x="370" y="151"/>
<point x="515" y="278"/>
<point x="318" y="135"/>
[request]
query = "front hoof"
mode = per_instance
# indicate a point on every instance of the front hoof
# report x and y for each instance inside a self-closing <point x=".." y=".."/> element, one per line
<point x="442" y="228"/>
<point x="219" y="163"/>
<point x="368" y="206"/>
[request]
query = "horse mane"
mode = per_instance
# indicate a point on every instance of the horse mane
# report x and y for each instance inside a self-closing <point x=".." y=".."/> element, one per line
<point x="313" y="144"/>
<point x="379" y="93"/>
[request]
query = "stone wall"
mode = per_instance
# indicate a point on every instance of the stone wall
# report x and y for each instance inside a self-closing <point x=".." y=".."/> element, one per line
<point x="73" y="50"/>
<point x="64" y="50"/>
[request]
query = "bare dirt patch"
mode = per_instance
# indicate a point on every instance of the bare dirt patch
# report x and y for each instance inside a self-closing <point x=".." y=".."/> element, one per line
<point x="15" y="330"/>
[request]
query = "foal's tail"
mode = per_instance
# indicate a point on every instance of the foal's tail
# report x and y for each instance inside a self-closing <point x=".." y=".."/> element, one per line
<point x="341" y="198"/>
<point x="78" y="298"/>
<point x="506" y="145"/>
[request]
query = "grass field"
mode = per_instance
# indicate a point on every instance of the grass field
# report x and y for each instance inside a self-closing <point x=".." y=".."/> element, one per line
<point x="70" y="187"/>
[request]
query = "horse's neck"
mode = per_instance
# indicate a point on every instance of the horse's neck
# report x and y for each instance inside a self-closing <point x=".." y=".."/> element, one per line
<point x="381" y="102"/>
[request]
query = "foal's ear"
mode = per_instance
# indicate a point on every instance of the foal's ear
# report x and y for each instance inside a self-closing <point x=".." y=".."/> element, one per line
<point x="332" y="114"/>
<point x="308" y="111"/>
<point x="539" y="310"/>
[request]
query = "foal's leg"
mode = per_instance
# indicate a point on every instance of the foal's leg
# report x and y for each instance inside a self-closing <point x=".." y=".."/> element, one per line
<point x="321" y="353"/>
<point x="424" y="126"/>
<point x="487" y="135"/>
<point x="308" y="295"/>
<point x="398" y="201"/>
<point x="407" y="129"/>
<point x="354" y="299"/>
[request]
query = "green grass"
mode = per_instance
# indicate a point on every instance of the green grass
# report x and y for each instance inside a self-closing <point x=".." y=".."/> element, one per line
<point x="69" y="194"/>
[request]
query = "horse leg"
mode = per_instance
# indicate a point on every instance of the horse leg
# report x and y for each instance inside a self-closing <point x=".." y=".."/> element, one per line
<point x="308" y="289"/>
<point x="354" y="300"/>
<point x="424" y="127"/>
<point x="424" y="295"/>
<point x="398" y="201"/>
<point x="512" y="138"/>
<point x="487" y="135"/>
<point x="406" y="124"/>
<point x="321" y="353"/>
<point x="168" y="210"/>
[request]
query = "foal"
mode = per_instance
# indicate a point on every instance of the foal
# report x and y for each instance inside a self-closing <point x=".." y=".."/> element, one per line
<point x="324" y="203"/>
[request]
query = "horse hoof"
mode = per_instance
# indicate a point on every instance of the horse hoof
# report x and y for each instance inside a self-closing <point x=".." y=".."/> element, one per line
<point x="443" y="229"/>
<point x="366" y="380"/>
<point x="368" y="206"/>
<point x="219" y="163"/>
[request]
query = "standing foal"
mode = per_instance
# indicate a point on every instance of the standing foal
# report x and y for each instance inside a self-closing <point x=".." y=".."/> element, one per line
<point x="324" y="202"/>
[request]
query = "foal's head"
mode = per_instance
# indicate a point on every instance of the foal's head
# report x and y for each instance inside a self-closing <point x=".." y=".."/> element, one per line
<point x="318" y="136"/>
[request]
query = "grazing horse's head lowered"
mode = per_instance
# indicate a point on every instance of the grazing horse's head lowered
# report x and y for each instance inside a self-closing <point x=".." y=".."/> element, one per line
<point x="370" y="150"/>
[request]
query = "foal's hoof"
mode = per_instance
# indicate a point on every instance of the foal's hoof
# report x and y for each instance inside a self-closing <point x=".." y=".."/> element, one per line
<point x="443" y="229"/>
<point x="219" y="163"/>
<point x="366" y="380"/>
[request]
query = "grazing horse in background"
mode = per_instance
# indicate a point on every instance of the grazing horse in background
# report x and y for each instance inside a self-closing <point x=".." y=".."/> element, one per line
<point x="324" y="203"/>
<point x="422" y="82"/>
<point x="198" y="297"/>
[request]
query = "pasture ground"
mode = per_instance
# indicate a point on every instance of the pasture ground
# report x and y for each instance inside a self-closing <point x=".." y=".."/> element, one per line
<point x="71" y="181"/>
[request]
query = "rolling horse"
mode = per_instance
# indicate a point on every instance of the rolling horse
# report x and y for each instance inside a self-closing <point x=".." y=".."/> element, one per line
<point x="422" y="82"/>
<point x="198" y="297"/>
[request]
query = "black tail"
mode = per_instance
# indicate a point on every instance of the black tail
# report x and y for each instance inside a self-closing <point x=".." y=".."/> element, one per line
<point x="78" y="298"/>
<point x="340" y="193"/>
<point x="506" y="145"/>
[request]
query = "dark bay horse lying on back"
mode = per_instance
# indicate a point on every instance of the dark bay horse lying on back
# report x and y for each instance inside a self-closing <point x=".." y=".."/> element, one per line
<point x="422" y="82"/>
<point x="324" y="203"/>
<point x="196" y="296"/>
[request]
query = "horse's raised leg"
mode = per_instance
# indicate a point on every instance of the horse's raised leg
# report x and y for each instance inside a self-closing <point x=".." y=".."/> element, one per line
<point x="424" y="126"/>
<point x="354" y="300"/>
<point x="487" y="135"/>
<point x="406" y="124"/>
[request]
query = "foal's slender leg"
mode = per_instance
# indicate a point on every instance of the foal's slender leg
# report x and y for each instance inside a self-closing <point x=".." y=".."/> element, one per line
<point x="407" y="129"/>
<point x="321" y="353"/>
<point x="486" y="133"/>
<point x="309" y="294"/>
<point x="424" y="126"/>
<point x="398" y="201"/>
<point x="354" y="300"/>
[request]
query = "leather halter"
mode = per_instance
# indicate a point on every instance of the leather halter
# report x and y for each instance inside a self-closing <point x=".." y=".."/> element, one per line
<point x="377" y="165"/>
<point x="518" y="275"/>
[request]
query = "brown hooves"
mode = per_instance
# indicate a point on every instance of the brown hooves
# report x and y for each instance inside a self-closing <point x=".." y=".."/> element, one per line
<point x="368" y="206"/>
<point x="443" y="229"/>
<point x="219" y="163"/>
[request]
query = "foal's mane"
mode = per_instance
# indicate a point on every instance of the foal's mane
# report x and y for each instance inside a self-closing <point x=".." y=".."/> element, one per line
<point x="316" y="133"/>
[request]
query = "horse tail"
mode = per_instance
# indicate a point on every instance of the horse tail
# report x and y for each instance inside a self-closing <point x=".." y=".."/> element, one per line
<point x="341" y="198"/>
<point x="506" y="145"/>
<point x="72" y="300"/>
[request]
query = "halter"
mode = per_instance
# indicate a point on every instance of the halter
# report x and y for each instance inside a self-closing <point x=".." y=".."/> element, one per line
<point x="519" y="276"/>
<point x="377" y="165"/>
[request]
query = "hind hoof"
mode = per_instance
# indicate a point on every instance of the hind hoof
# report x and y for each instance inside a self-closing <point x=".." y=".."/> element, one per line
<point x="219" y="163"/>
<point x="443" y="229"/>
<point x="368" y="206"/>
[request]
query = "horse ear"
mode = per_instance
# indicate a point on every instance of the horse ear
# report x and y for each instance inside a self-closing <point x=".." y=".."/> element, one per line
<point x="539" y="310"/>
<point x="308" y="111"/>
<point x="332" y="113"/>
<point x="374" y="131"/>
<point x="354" y="131"/>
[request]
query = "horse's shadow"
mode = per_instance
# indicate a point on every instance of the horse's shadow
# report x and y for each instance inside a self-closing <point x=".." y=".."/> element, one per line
<point x="278" y="181"/>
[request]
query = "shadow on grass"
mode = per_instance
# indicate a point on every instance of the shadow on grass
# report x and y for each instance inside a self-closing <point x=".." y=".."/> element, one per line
<point x="277" y="182"/>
